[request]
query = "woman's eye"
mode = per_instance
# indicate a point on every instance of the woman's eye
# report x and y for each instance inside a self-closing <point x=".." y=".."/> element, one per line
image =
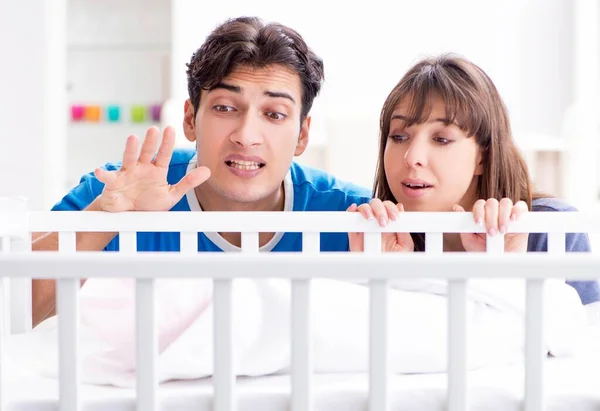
<point x="398" y="137"/>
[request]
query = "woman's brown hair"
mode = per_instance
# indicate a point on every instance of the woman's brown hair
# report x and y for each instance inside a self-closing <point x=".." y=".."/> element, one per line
<point x="474" y="104"/>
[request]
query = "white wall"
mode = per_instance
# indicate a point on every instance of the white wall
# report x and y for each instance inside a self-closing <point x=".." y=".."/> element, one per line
<point x="118" y="53"/>
<point x="525" y="46"/>
<point x="121" y="51"/>
<point x="32" y="95"/>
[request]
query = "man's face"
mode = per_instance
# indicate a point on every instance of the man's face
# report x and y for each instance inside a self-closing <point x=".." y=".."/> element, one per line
<point x="247" y="130"/>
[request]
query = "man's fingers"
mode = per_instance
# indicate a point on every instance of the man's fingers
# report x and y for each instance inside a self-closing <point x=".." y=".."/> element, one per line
<point x="105" y="176"/>
<point x="193" y="179"/>
<point x="165" y="151"/>
<point x="131" y="152"/>
<point x="149" y="145"/>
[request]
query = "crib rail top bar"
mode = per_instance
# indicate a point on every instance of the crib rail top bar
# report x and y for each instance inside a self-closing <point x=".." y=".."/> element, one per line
<point x="44" y="221"/>
<point x="335" y="265"/>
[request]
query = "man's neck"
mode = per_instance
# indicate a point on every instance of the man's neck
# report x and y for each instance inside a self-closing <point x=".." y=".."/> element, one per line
<point x="210" y="202"/>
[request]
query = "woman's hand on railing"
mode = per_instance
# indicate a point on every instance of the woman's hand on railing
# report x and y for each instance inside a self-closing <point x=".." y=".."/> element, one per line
<point x="383" y="211"/>
<point x="141" y="183"/>
<point x="495" y="216"/>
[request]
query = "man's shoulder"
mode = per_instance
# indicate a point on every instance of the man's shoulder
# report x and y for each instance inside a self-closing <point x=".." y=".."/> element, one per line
<point x="182" y="156"/>
<point x="316" y="189"/>
<point x="180" y="161"/>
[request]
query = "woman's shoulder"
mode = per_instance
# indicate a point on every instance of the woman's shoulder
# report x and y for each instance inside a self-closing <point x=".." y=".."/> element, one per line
<point x="539" y="241"/>
<point x="551" y="204"/>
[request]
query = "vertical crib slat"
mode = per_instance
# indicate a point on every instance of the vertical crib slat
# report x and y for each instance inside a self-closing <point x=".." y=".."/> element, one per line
<point x="378" y="334"/>
<point x="495" y="244"/>
<point x="224" y="373"/>
<point x="21" y="313"/>
<point x="457" y="346"/>
<point x="457" y="393"/>
<point x="189" y="242"/>
<point x="557" y="243"/>
<point x="534" y="333"/>
<point x="67" y="310"/>
<point x="147" y="345"/>
<point x="145" y="328"/>
<point x="534" y="346"/>
<point x="434" y="243"/>
<point x="224" y="377"/>
<point x="4" y="317"/>
<point x="5" y="287"/>
<point x="302" y="366"/>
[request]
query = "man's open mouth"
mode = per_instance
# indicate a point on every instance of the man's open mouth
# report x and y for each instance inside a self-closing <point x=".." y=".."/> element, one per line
<point x="244" y="165"/>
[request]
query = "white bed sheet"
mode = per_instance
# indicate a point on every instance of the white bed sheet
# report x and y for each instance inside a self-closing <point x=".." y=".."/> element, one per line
<point x="570" y="384"/>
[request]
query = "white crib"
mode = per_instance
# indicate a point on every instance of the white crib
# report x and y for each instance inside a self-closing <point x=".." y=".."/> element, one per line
<point x="18" y="265"/>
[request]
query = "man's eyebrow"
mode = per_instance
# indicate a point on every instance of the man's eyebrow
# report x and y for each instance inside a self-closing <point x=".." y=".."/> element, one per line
<point x="280" y="94"/>
<point x="230" y="87"/>
<point x="238" y="89"/>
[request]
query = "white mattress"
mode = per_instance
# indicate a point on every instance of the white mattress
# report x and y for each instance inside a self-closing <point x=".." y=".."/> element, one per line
<point x="570" y="384"/>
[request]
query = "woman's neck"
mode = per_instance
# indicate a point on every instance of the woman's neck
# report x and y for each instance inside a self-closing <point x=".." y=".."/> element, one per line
<point x="452" y="241"/>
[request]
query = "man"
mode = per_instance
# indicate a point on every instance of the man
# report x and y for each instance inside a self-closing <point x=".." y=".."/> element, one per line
<point x="251" y="87"/>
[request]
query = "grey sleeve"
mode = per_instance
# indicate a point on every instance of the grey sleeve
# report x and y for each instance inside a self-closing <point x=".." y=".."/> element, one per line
<point x="589" y="291"/>
<point x="575" y="242"/>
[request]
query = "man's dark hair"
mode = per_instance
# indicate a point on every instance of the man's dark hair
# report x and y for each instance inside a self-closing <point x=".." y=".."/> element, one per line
<point x="249" y="41"/>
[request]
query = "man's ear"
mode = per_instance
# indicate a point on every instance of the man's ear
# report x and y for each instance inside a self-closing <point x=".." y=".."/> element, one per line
<point x="189" y="121"/>
<point x="303" y="137"/>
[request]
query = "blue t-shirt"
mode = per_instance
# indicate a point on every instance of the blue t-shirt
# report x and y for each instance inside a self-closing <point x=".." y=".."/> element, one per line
<point x="306" y="189"/>
<point x="589" y="291"/>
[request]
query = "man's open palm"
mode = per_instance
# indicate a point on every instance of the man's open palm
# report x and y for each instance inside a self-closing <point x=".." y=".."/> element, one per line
<point x="141" y="182"/>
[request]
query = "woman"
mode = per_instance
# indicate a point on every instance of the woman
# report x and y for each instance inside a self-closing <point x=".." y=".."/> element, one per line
<point x="446" y="144"/>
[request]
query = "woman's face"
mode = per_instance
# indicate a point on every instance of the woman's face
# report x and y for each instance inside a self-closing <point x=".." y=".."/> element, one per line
<point x="431" y="166"/>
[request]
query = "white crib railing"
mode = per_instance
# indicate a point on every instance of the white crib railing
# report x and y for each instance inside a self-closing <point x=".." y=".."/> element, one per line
<point x="67" y="266"/>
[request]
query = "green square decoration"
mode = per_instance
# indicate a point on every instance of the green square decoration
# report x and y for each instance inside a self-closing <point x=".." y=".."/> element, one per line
<point x="138" y="114"/>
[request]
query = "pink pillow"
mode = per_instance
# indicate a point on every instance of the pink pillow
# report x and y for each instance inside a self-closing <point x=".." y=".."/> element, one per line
<point x="108" y="309"/>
